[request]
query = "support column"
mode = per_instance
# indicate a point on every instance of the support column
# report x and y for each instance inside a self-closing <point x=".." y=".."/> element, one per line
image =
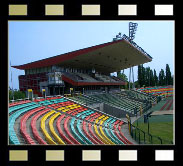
<point x="133" y="78"/>
<point x="129" y="78"/>
<point x="53" y="90"/>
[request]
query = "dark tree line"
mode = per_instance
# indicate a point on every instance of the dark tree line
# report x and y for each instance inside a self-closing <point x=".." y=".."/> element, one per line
<point x="148" y="77"/>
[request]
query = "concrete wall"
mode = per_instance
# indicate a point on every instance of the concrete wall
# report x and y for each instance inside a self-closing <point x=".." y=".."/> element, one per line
<point x="115" y="111"/>
<point x="110" y="110"/>
<point x="99" y="106"/>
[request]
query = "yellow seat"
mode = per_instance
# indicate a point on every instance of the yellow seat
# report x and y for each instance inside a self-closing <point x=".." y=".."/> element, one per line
<point x="43" y="128"/>
<point x="67" y="110"/>
<point x="101" y="117"/>
<point x="51" y="121"/>
<point x="103" y="134"/>
<point x="96" y="131"/>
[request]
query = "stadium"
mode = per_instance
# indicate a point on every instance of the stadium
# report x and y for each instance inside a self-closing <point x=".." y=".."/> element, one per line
<point x="73" y="99"/>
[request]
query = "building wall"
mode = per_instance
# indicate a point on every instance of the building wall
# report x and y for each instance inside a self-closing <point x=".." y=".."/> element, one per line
<point x="32" y="81"/>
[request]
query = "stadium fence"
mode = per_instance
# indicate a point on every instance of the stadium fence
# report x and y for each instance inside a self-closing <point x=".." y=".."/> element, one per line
<point x="143" y="137"/>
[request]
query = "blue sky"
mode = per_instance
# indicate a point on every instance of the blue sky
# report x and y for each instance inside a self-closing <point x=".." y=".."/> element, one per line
<point x="34" y="40"/>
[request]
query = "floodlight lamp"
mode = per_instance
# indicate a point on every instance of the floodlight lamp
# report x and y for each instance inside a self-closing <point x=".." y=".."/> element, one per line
<point x="130" y="23"/>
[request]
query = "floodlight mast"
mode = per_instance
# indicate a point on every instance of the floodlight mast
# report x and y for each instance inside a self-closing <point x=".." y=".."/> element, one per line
<point x="11" y="81"/>
<point x="132" y="29"/>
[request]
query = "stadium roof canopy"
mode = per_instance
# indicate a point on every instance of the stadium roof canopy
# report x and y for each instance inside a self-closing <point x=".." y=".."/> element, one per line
<point x="108" y="57"/>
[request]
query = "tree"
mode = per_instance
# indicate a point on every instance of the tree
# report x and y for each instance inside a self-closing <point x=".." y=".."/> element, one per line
<point x="155" y="78"/>
<point x="122" y="76"/>
<point x="140" y="78"/>
<point x="162" y="80"/>
<point x="17" y="94"/>
<point x="168" y="75"/>
<point x="151" y="78"/>
<point x="143" y="76"/>
<point x="147" y="76"/>
<point x="171" y="82"/>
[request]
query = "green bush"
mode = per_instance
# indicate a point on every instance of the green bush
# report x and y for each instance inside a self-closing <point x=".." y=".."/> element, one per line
<point x="17" y="94"/>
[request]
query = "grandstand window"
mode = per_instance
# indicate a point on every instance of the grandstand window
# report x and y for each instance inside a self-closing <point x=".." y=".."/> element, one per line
<point x="34" y="71"/>
<point x="42" y="69"/>
<point x="61" y="69"/>
<point x="49" y="69"/>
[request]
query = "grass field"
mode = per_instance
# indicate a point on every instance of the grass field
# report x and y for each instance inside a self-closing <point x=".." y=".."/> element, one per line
<point x="159" y="126"/>
<point x="164" y="130"/>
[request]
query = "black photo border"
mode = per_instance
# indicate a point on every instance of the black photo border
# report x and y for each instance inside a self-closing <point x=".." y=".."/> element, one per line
<point x="73" y="154"/>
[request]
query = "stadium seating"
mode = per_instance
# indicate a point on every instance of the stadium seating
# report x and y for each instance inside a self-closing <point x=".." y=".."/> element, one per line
<point x="84" y="100"/>
<point x="23" y="126"/>
<point x="43" y="128"/>
<point x="12" y="135"/>
<point x="58" y="120"/>
<point x="34" y="127"/>
<point x="68" y="132"/>
<point x="79" y="128"/>
<point x="158" y="91"/>
<point x="102" y="132"/>
<point x="84" y="77"/>
<point x="57" y="138"/>
<point x="91" y="130"/>
<point x="113" y="100"/>
<point x="19" y="103"/>
<point x="113" y="137"/>
<point x="20" y="106"/>
<point x="61" y="132"/>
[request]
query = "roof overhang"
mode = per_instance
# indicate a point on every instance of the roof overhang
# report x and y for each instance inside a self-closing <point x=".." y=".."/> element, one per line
<point x="108" y="57"/>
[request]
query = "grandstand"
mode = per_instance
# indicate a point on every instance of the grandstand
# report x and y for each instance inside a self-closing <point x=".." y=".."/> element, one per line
<point x="82" y="70"/>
